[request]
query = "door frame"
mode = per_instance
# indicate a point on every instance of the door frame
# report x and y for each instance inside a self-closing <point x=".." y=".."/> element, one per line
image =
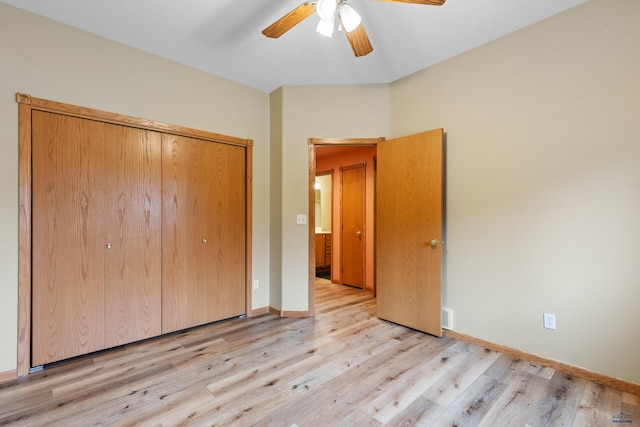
<point x="330" y="174"/>
<point x="313" y="143"/>
<point x="27" y="104"/>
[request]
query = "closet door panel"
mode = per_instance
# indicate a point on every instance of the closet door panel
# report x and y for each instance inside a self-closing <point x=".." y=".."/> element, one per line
<point x="133" y="234"/>
<point x="203" y="232"/>
<point x="184" y="235"/>
<point x="67" y="234"/>
<point x="229" y="228"/>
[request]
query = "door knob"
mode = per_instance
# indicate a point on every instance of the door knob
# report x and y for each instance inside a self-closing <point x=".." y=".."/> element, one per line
<point x="359" y="234"/>
<point x="204" y="240"/>
<point x="433" y="243"/>
<point x="109" y="246"/>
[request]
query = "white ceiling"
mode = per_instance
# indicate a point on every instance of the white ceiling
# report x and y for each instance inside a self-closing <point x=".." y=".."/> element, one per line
<point x="223" y="37"/>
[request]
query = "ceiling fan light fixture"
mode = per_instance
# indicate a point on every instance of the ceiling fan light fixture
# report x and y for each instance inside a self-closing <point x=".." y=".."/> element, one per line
<point x="325" y="27"/>
<point x="326" y="8"/>
<point x="349" y="17"/>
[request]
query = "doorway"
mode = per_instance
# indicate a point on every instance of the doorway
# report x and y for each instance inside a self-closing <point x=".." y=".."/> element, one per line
<point x="350" y="151"/>
<point x="409" y="228"/>
<point x="323" y="223"/>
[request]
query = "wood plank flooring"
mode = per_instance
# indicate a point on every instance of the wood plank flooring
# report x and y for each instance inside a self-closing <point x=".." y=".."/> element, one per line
<point x="344" y="367"/>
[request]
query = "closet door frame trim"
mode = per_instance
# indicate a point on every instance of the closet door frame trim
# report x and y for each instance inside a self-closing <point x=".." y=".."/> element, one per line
<point x="27" y="104"/>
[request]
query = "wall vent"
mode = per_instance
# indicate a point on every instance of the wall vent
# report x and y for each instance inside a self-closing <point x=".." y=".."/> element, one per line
<point x="447" y="318"/>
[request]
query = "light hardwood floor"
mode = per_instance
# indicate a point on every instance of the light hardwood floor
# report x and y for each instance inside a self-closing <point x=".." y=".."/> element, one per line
<point x="344" y="367"/>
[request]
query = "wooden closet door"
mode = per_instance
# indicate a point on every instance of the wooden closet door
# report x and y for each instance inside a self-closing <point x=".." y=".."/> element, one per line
<point x="133" y="214"/>
<point x="68" y="251"/>
<point x="96" y="236"/>
<point x="203" y="232"/>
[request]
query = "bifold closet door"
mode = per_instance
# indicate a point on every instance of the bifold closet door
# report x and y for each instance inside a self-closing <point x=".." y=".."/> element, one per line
<point x="96" y="204"/>
<point x="133" y="235"/>
<point x="68" y="294"/>
<point x="203" y="232"/>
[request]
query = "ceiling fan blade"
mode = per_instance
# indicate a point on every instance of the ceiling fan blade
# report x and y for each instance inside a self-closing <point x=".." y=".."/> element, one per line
<point x="289" y="21"/>
<point x="359" y="41"/>
<point x="426" y="2"/>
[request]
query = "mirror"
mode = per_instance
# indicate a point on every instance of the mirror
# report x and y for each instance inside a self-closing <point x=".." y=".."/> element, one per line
<point x="323" y="204"/>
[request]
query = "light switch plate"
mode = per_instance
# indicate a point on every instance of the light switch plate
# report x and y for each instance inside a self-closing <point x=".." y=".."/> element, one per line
<point x="301" y="219"/>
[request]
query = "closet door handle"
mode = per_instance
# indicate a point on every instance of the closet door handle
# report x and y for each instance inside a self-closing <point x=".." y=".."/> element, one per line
<point x="204" y="240"/>
<point x="109" y="246"/>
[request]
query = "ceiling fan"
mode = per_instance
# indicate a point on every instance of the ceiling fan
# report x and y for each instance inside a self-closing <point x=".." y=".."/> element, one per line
<point x="329" y="12"/>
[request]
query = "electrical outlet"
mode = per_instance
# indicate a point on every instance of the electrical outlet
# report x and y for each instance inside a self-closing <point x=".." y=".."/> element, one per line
<point x="549" y="320"/>
<point x="256" y="284"/>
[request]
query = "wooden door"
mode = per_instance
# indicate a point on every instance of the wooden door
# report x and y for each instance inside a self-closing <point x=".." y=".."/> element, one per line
<point x="320" y="251"/>
<point x="353" y="221"/>
<point x="96" y="236"/>
<point x="132" y="215"/>
<point x="68" y="237"/>
<point x="409" y="226"/>
<point x="203" y="232"/>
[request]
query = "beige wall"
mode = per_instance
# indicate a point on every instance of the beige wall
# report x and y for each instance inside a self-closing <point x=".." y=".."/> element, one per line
<point x="52" y="61"/>
<point x="543" y="184"/>
<point x="320" y="112"/>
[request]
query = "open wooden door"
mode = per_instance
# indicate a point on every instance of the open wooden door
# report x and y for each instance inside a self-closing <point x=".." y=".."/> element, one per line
<point x="409" y="226"/>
